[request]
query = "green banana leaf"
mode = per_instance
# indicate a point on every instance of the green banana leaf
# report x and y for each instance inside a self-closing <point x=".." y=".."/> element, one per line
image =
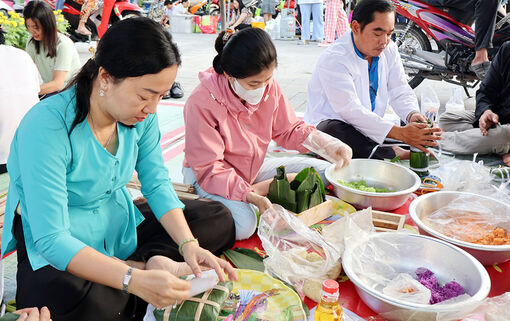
<point x="280" y="191"/>
<point x="245" y="260"/>
<point x="305" y="191"/>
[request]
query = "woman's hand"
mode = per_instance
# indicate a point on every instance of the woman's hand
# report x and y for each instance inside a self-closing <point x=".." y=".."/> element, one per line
<point x="262" y="202"/>
<point x="159" y="262"/>
<point x="32" y="314"/>
<point x="196" y="257"/>
<point x="329" y="148"/>
<point x="158" y="287"/>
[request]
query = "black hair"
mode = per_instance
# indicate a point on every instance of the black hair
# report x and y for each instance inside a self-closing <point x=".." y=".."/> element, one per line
<point x="2" y="37"/>
<point x="130" y="48"/>
<point x="364" y="11"/>
<point x="246" y="53"/>
<point x="42" y="15"/>
<point x="167" y="2"/>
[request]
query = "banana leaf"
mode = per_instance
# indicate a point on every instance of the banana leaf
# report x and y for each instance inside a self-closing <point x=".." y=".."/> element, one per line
<point x="305" y="191"/>
<point x="280" y="191"/>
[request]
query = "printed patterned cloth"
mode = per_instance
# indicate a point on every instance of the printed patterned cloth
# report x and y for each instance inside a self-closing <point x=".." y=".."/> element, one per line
<point x="336" y="20"/>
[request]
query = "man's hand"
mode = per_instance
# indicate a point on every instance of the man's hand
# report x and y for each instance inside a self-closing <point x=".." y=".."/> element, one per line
<point x="417" y="118"/>
<point x="487" y="120"/>
<point x="417" y="135"/>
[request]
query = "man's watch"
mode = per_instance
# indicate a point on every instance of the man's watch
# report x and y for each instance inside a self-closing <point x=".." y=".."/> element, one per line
<point x="127" y="279"/>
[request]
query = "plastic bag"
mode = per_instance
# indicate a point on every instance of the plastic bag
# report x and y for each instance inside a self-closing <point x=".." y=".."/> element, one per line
<point x="404" y="287"/>
<point x="328" y="147"/>
<point x="429" y="103"/>
<point x="456" y="101"/>
<point x="287" y="242"/>
<point x="471" y="219"/>
<point x="472" y="177"/>
<point x="492" y="309"/>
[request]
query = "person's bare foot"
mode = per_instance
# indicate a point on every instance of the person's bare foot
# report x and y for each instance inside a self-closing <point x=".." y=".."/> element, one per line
<point x="82" y="30"/>
<point x="506" y="159"/>
<point x="399" y="151"/>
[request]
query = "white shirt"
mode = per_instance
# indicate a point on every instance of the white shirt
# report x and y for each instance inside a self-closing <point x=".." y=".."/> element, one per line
<point x="19" y="88"/>
<point x="339" y="89"/>
<point x="179" y="9"/>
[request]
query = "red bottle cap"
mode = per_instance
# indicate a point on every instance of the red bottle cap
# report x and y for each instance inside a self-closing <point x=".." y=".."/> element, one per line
<point x="330" y="286"/>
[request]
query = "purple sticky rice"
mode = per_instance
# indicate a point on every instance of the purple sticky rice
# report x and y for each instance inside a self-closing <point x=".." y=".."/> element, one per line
<point x="438" y="294"/>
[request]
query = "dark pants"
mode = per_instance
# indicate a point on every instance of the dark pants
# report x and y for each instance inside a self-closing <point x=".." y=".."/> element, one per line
<point x="361" y="145"/>
<point x="483" y="12"/>
<point x="3" y="168"/>
<point x="70" y="298"/>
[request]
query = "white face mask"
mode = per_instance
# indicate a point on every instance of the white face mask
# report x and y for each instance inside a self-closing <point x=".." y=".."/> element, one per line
<point x="252" y="97"/>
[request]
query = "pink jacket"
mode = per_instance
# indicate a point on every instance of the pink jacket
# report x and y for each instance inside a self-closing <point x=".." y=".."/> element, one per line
<point x="226" y="141"/>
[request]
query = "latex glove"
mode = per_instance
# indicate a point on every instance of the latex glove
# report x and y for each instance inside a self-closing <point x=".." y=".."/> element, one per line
<point x="196" y="257"/>
<point x="329" y="148"/>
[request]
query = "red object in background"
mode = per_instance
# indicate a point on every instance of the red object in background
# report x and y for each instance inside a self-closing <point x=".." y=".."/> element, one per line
<point x="211" y="27"/>
<point x="108" y="6"/>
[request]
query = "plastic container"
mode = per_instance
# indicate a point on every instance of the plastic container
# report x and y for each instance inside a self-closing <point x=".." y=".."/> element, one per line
<point x="287" y="24"/>
<point x="258" y="24"/>
<point x="181" y="23"/>
<point x="329" y="309"/>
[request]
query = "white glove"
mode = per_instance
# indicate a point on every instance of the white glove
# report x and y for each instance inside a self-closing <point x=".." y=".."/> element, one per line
<point x="329" y="148"/>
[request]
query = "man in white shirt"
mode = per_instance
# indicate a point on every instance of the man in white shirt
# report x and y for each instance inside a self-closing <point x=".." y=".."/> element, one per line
<point x="19" y="87"/>
<point x="357" y="78"/>
<point x="180" y="8"/>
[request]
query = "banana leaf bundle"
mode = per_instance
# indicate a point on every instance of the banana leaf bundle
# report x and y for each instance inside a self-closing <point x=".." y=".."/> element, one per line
<point x="305" y="191"/>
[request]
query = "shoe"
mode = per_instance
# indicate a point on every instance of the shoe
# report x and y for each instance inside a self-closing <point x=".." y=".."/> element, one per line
<point x="176" y="91"/>
<point x="167" y="95"/>
<point x="480" y="69"/>
<point x="303" y="42"/>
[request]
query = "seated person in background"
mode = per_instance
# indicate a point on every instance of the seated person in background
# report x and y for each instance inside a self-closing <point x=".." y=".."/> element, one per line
<point x="241" y="17"/>
<point x="483" y="13"/>
<point x="180" y="7"/>
<point x="487" y="130"/>
<point x="18" y="93"/>
<point x="87" y="6"/>
<point x="232" y="116"/>
<point x="357" y="78"/>
<point x="169" y="5"/>
<point x="54" y="54"/>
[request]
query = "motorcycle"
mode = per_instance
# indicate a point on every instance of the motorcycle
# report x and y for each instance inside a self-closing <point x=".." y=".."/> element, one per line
<point x="420" y="25"/>
<point x="106" y="13"/>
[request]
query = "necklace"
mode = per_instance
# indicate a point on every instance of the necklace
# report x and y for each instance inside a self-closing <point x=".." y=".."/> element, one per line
<point x="95" y="133"/>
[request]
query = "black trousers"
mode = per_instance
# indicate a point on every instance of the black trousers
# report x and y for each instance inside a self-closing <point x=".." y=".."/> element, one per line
<point x="70" y="298"/>
<point x="361" y="145"/>
<point x="483" y="12"/>
<point x="3" y="168"/>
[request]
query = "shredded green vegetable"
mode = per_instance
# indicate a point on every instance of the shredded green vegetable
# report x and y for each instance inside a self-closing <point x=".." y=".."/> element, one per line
<point x="362" y="186"/>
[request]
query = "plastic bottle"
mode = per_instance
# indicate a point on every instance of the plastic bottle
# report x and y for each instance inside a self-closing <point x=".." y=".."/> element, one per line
<point x="329" y="309"/>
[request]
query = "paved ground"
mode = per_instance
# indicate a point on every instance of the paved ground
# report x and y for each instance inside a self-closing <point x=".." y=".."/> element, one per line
<point x="295" y="66"/>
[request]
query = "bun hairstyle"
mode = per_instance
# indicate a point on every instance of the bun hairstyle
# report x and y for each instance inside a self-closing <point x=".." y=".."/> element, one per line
<point x="244" y="53"/>
<point x="130" y="48"/>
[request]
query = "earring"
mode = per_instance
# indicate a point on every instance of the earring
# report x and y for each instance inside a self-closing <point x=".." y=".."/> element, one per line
<point x="101" y="92"/>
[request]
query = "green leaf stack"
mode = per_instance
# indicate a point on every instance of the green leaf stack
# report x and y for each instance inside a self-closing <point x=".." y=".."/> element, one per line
<point x="305" y="191"/>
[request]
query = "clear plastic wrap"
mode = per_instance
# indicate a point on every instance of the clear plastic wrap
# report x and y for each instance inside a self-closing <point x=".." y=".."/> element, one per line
<point x="329" y="148"/>
<point x="456" y="101"/>
<point x="492" y="309"/>
<point x="472" y="177"/>
<point x="404" y="287"/>
<point x="430" y="103"/>
<point x="471" y="219"/>
<point x="289" y="244"/>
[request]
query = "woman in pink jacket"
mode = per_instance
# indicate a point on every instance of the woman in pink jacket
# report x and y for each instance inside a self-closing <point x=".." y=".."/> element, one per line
<point x="231" y="118"/>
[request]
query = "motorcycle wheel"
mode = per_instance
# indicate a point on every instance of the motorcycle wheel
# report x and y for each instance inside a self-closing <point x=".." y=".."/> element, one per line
<point x="416" y="39"/>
